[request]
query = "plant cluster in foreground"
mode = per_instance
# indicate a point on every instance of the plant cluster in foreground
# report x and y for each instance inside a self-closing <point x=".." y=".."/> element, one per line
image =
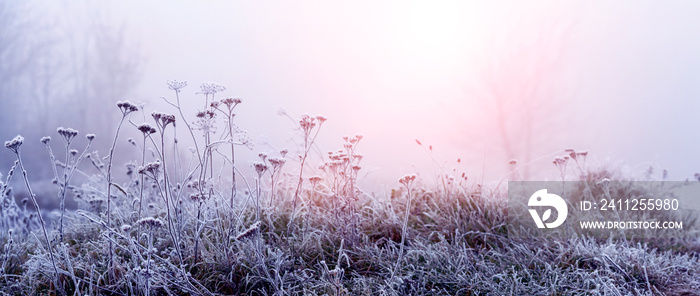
<point x="199" y="223"/>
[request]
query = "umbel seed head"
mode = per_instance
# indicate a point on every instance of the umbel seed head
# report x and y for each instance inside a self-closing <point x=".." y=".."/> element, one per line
<point x="210" y="88"/>
<point x="176" y="85"/>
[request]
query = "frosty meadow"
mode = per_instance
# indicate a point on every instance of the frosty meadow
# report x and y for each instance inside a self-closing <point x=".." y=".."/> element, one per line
<point x="181" y="219"/>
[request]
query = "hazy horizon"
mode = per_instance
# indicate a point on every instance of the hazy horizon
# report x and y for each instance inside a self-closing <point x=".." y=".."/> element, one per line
<point x="617" y="79"/>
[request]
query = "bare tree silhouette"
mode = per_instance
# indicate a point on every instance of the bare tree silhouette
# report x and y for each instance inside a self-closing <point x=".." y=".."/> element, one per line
<point x="59" y="71"/>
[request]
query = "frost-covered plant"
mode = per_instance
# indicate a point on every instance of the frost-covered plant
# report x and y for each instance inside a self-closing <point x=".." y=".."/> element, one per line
<point x="342" y="169"/>
<point x="183" y="231"/>
<point x="310" y="126"/>
<point x="150" y="224"/>
<point x="14" y="146"/>
<point x="126" y="109"/>
<point x="406" y="181"/>
<point x="70" y="165"/>
<point x="226" y="107"/>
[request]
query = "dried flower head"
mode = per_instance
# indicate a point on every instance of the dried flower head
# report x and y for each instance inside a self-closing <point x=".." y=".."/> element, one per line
<point x="146" y="129"/>
<point x="198" y="197"/>
<point x="163" y="119"/>
<point x="206" y="114"/>
<point x="46" y="140"/>
<point x="151" y="167"/>
<point x="231" y="102"/>
<point x="67" y="133"/>
<point x="260" y="168"/>
<point x="307" y="123"/>
<point x="15" y="143"/>
<point x="90" y="137"/>
<point x="407" y="180"/>
<point x="150" y="222"/>
<point x="314" y="180"/>
<point x="127" y="107"/>
<point x="215" y="104"/>
<point x="276" y="162"/>
<point x="284" y="152"/>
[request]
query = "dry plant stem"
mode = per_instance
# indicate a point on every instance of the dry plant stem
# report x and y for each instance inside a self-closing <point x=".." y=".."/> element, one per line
<point x="191" y="131"/>
<point x="272" y="186"/>
<point x="403" y="233"/>
<point x="66" y="179"/>
<point x="143" y="163"/>
<point x="436" y="165"/>
<point x="170" y="224"/>
<point x="229" y="116"/>
<point x="307" y="146"/>
<point x="257" y="199"/>
<point x="109" y="193"/>
<point x="62" y="192"/>
<point x="41" y="218"/>
<point x="233" y="161"/>
<point x="208" y="161"/>
<point x="148" y="263"/>
<point x="164" y="191"/>
<point x="239" y="216"/>
<point x="189" y="128"/>
<point x="196" y="238"/>
<point x="229" y="129"/>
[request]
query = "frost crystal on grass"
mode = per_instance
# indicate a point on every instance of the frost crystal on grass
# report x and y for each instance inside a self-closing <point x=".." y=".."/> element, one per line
<point x="249" y="232"/>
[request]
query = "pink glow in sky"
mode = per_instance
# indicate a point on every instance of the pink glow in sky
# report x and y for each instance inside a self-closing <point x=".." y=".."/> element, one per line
<point x="619" y="79"/>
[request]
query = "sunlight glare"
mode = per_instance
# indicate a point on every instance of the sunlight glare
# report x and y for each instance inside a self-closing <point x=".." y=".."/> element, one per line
<point x="431" y="29"/>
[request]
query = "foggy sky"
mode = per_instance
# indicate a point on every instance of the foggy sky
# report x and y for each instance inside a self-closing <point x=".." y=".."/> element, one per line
<point x="622" y="79"/>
